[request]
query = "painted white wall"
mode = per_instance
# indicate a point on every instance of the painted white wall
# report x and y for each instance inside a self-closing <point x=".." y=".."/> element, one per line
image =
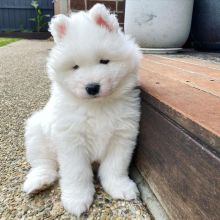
<point x="64" y="6"/>
<point x="61" y="6"/>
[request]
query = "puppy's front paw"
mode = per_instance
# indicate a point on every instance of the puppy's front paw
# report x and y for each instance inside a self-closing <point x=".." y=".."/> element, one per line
<point x="121" y="188"/>
<point x="76" y="205"/>
<point x="39" y="179"/>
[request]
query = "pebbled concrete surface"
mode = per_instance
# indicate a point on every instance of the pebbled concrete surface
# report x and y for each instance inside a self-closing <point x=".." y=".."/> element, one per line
<point x="24" y="88"/>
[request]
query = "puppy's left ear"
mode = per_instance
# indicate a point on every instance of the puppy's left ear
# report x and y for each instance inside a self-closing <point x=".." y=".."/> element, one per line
<point x="102" y="17"/>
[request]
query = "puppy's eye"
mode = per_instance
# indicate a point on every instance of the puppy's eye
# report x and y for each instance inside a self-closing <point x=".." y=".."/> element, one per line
<point x="104" y="61"/>
<point x="76" y="67"/>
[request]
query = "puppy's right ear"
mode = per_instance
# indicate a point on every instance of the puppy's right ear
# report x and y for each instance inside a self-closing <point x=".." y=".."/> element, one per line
<point x="58" y="27"/>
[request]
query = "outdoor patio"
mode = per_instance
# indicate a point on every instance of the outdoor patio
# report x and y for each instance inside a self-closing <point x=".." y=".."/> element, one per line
<point x="176" y="162"/>
<point x="180" y="99"/>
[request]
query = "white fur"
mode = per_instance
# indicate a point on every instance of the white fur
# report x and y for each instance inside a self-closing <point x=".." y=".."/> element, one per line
<point x="74" y="129"/>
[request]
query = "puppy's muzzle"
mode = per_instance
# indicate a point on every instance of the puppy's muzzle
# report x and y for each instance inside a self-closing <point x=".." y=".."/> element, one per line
<point x="93" y="89"/>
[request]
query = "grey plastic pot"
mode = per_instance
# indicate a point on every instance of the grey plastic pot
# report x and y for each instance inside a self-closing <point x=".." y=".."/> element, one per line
<point x="159" y="23"/>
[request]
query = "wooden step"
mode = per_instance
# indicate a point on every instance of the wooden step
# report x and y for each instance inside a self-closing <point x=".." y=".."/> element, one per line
<point x="179" y="142"/>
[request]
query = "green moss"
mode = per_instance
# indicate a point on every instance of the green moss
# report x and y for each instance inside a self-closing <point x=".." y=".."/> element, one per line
<point x="4" y="41"/>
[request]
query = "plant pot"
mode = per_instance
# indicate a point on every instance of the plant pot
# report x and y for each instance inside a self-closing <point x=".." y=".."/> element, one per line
<point x="159" y="23"/>
<point x="206" y="25"/>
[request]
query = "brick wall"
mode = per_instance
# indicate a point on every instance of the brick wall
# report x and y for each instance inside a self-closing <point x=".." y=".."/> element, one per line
<point x="116" y="6"/>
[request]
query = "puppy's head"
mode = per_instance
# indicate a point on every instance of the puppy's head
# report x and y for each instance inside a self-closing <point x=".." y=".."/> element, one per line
<point x="92" y="58"/>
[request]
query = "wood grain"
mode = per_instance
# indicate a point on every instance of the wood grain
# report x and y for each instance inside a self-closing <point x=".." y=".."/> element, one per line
<point x="184" y="174"/>
<point x="202" y="81"/>
<point x="187" y="64"/>
<point x="195" y="110"/>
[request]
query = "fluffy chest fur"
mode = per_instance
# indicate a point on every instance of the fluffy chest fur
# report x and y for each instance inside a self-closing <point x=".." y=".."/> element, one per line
<point x="94" y="125"/>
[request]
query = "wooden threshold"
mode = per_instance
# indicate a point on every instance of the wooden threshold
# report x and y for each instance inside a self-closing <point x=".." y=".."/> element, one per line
<point x="182" y="173"/>
<point x="178" y="150"/>
<point x="186" y="90"/>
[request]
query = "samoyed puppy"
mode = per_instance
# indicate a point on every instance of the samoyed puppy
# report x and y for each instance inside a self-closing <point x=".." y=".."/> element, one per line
<point x="92" y="113"/>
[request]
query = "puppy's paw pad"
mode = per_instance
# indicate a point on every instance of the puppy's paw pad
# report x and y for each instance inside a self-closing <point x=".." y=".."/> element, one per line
<point x="122" y="189"/>
<point x="77" y="206"/>
<point x="37" y="181"/>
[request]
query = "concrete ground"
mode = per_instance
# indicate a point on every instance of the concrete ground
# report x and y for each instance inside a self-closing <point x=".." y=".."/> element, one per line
<point x="24" y="88"/>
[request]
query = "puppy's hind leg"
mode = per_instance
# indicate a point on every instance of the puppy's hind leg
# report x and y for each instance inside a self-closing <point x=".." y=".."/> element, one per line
<point x="43" y="172"/>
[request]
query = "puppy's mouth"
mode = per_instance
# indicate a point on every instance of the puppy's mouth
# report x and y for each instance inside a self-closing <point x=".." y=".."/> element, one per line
<point x="93" y="97"/>
<point x="97" y="97"/>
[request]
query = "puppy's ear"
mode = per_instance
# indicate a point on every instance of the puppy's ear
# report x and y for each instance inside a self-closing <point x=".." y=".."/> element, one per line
<point x="58" y="27"/>
<point x="103" y="18"/>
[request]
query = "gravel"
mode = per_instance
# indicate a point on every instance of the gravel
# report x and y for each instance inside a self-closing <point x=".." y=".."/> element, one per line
<point x="24" y="88"/>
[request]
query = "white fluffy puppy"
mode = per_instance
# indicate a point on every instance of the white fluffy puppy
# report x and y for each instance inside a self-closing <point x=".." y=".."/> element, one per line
<point x="92" y="114"/>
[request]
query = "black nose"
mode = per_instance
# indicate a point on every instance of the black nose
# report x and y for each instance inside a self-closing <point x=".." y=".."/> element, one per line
<point x="93" y="88"/>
